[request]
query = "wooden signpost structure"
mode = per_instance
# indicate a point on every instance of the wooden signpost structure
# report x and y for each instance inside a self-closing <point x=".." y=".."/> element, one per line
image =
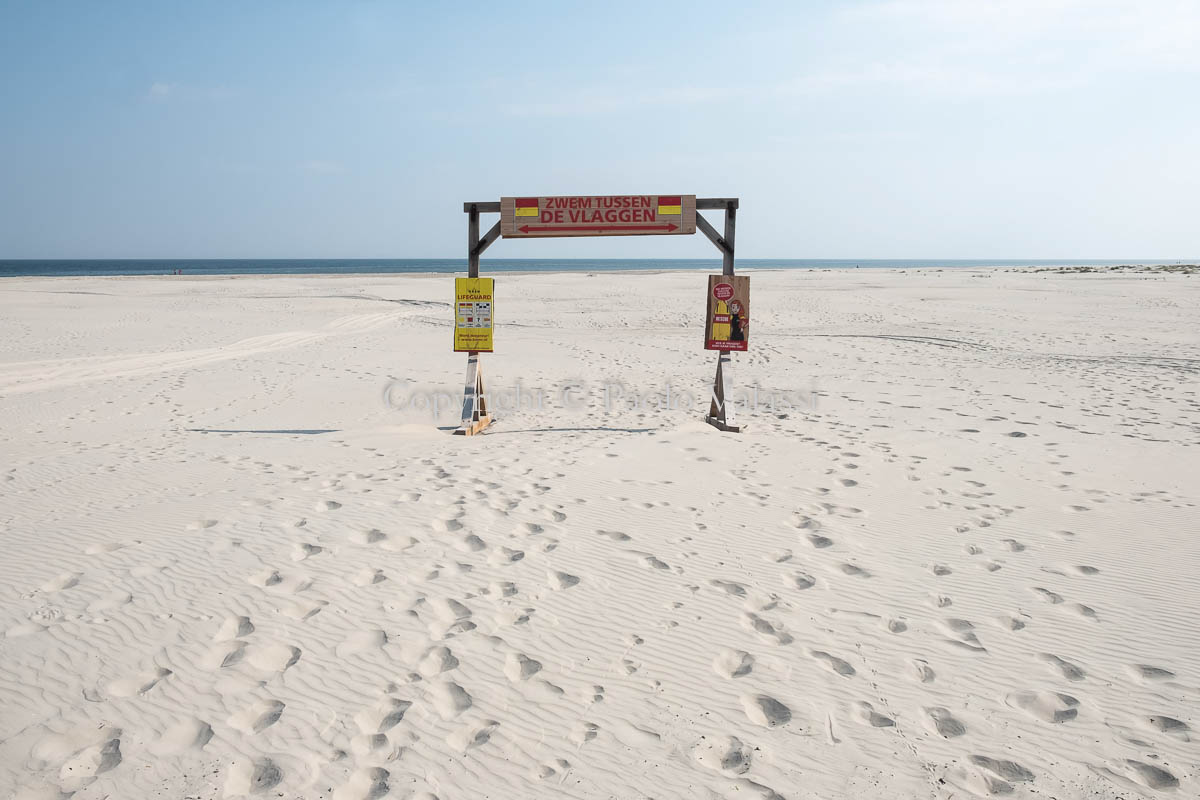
<point x="598" y="215"/>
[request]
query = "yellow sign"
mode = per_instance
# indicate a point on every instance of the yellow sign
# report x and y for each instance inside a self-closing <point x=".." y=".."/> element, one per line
<point x="473" y="315"/>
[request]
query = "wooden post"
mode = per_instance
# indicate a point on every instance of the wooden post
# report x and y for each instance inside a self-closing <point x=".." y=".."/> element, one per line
<point x="730" y="224"/>
<point x="720" y="409"/>
<point x="473" y="241"/>
<point x="474" y="413"/>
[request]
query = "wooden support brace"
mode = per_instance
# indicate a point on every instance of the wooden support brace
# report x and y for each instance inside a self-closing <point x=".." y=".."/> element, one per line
<point x="720" y="410"/>
<point x="475" y="415"/>
<point x="484" y="243"/>
<point x="708" y="230"/>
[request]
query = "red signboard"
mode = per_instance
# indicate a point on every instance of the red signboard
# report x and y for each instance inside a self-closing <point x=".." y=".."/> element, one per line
<point x="727" y="326"/>
<point x="597" y="215"/>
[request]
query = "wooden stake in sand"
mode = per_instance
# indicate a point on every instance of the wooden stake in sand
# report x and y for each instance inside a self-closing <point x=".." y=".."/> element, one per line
<point x="597" y="215"/>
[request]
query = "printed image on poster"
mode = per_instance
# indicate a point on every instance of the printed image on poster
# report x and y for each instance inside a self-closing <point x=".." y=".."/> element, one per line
<point x="727" y="321"/>
<point x="473" y="299"/>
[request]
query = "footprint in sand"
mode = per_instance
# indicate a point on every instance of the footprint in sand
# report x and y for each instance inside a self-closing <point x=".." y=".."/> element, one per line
<point x="653" y="562"/>
<point x="561" y="580"/>
<point x="136" y="684"/>
<point x="182" y="735"/>
<point x="224" y="655"/>
<point x="583" y="732"/>
<point x="436" y="660"/>
<point x="470" y="543"/>
<point x="268" y="577"/>
<point x="368" y="576"/>
<point x="616" y="536"/>
<point x="1008" y="771"/>
<point x="868" y="715"/>
<point x="366" y="783"/>
<point x="923" y="672"/>
<point x="519" y="667"/>
<point x="232" y="628"/>
<point x="505" y="555"/>
<point x="248" y="776"/>
<point x="944" y="723"/>
<point x="1147" y="673"/>
<point x="1169" y="725"/>
<point x="771" y="631"/>
<point x="1050" y="597"/>
<point x="800" y="580"/>
<point x="257" y="716"/>
<point x="765" y="710"/>
<point x="66" y="580"/>
<point x="449" y="699"/>
<point x="272" y="657"/>
<point x="819" y="542"/>
<point x="728" y="587"/>
<point x="805" y="522"/>
<point x="305" y="550"/>
<point x="838" y="665"/>
<point x="723" y="754"/>
<point x="473" y="734"/>
<point x="1069" y="671"/>
<point x="369" y="536"/>
<point x="962" y="634"/>
<point x="385" y="714"/>
<point x="1150" y="775"/>
<point x="1085" y="611"/>
<point x="731" y="663"/>
<point x="501" y="588"/>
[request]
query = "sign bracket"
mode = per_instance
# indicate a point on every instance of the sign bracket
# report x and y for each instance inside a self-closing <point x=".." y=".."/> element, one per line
<point x="708" y="230"/>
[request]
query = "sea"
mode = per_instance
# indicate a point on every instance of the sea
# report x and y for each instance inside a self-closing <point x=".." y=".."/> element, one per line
<point x="390" y="266"/>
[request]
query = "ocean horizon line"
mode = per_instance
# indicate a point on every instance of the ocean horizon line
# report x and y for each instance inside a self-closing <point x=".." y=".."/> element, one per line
<point x="107" y="267"/>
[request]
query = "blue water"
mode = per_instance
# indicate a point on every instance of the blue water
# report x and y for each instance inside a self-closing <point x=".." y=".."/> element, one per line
<point x="309" y="266"/>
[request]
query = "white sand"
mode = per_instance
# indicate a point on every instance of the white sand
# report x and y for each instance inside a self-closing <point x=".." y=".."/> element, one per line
<point x="963" y="562"/>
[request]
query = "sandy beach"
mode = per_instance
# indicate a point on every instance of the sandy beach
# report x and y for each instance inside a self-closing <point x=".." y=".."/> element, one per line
<point x="953" y="554"/>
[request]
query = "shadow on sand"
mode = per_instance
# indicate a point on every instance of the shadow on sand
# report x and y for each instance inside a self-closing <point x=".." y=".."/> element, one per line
<point x="296" y="432"/>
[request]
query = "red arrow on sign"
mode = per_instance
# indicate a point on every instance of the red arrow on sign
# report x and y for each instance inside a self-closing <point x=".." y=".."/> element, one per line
<point x="527" y="228"/>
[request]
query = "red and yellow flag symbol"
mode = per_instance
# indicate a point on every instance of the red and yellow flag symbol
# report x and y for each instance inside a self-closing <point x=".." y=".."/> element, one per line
<point x="670" y="206"/>
<point x="527" y="206"/>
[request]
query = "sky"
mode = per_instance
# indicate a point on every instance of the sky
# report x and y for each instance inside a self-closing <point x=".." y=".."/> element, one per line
<point x="858" y="129"/>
